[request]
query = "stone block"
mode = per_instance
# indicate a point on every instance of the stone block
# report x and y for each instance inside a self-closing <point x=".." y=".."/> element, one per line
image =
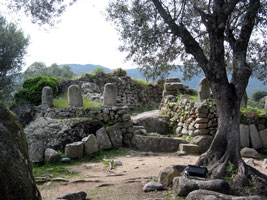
<point x="249" y="153"/>
<point x="115" y="136"/>
<point x="203" y="141"/>
<point x="110" y="94"/>
<point x="74" y="150"/>
<point x="167" y="174"/>
<point x="244" y="135"/>
<point x="189" y="148"/>
<point x="52" y="156"/>
<point x="103" y="139"/>
<point x="254" y="137"/>
<point x="75" y="98"/>
<point x="90" y="144"/>
<point x="47" y="96"/>
<point x="263" y="135"/>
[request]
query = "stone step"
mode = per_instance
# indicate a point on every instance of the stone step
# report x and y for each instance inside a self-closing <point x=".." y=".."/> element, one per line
<point x="157" y="144"/>
<point x="189" y="148"/>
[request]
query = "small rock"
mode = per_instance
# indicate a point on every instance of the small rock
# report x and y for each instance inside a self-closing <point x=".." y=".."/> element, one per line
<point x="74" y="150"/>
<point x="89" y="166"/>
<point x="168" y="173"/>
<point x="52" y="156"/>
<point x="74" y="196"/>
<point x="265" y="163"/>
<point x="152" y="186"/>
<point x="117" y="163"/>
<point x="249" y="153"/>
<point x="250" y="162"/>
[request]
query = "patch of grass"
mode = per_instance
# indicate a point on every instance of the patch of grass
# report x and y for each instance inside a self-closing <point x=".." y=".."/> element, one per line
<point x="142" y="83"/>
<point x="53" y="170"/>
<point x="251" y="109"/>
<point x="61" y="101"/>
<point x="88" y="103"/>
<point x="230" y="172"/>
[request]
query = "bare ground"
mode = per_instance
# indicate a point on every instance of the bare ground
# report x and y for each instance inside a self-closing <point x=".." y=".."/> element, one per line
<point x="122" y="183"/>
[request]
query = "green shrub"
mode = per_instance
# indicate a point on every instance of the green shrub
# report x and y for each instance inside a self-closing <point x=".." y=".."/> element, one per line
<point x="32" y="90"/>
<point x="140" y="82"/>
<point x="98" y="70"/>
<point x="257" y="96"/>
<point x="119" y="72"/>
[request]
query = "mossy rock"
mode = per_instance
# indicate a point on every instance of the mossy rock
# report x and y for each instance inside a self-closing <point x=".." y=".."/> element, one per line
<point x="16" y="180"/>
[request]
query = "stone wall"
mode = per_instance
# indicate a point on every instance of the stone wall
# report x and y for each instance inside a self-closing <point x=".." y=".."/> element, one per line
<point x="130" y="92"/>
<point x="200" y="118"/>
<point x="106" y="114"/>
<point x="188" y="117"/>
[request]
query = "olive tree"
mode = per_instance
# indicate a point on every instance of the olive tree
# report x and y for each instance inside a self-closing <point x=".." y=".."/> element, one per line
<point x="216" y="37"/>
<point x="13" y="45"/>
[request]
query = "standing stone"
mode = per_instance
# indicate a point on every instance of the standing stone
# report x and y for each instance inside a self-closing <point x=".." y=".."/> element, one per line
<point x="47" y="96"/>
<point x="244" y="100"/>
<point x="74" y="150"/>
<point x="263" y="135"/>
<point x="75" y="96"/>
<point x="254" y="137"/>
<point x="204" y="90"/>
<point x="110" y="94"/>
<point x="17" y="181"/>
<point x="90" y="144"/>
<point x="103" y="139"/>
<point x="244" y="135"/>
<point x="266" y="104"/>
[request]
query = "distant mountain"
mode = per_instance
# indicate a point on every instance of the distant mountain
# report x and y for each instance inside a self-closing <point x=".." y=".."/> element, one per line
<point x="254" y="85"/>
<point x="78" y="69"/>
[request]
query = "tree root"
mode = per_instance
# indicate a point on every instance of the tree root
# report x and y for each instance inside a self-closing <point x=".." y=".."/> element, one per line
<point x="244" y="180"/>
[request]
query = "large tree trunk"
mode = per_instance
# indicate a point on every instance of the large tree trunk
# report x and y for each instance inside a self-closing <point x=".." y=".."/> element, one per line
<point x="225" y="148"/>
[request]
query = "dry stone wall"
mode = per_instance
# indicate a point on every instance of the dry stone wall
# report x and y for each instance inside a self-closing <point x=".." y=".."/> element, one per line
<point x="192" y="118"/>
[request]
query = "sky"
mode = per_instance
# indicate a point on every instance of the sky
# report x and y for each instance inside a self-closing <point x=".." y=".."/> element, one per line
<point x="83" y="36"/>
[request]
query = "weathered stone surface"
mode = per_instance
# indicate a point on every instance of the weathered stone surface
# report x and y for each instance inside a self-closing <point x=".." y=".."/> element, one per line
<point x="204" y="90"/>
<point x="172" y="80"/>
<point x="189" y="148"/>
<point x="254" y="137"/>
<point x="17" y="181"/>
<point x="244" y="135"/>
<point x="152" y="121"/>
<point x="47" y="96"/>
<point x="90" y="88"/>
<point x="203" y="141"/>
<point x="75" y="96"/>
<point x="152" y="186"/>
<point x="156" y="144"/>
<point x="264" y="164"/>
<point x="110" y="94"/>
<point x="183" y="186"/>
<point x="25" y="113"/>
<point x="167" y="174"/>
<point x="52" y="156"/>
<point x="263" y="135"/>
<point x="74" y="196"/>
<point x="250" y="162"/>
<point x="74" y="150"/>
<point x="115" y="136"/>
<point x="249" y="153"/>
<point x="90" y="144"/>
<point x="103" y="139"/>
<point x="45" y="133"/>
<point x="211" y="195"/>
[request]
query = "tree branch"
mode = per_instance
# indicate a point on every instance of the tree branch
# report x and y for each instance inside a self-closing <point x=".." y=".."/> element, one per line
<point x="229" y="7"/>
<point x="191" y="45"/>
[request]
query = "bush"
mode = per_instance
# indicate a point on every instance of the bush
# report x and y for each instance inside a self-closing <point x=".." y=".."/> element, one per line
<point x="98" y="70"/>
<point x="119" y="72"/>
<point x="31" y="93"/>
<point x="257" y="96"/>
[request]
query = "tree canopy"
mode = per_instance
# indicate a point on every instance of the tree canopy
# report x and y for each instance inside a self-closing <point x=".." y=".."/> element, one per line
<point x="13" y="44"/>
<point x="216" y="37"/>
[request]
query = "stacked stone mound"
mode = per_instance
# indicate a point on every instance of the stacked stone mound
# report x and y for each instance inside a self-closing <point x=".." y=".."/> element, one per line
<point x="173" y="86"/>
<point x="197" y="120"/>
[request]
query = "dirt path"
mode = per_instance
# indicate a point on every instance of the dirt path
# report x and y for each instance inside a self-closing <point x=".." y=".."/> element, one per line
<point x="122" y="183"/>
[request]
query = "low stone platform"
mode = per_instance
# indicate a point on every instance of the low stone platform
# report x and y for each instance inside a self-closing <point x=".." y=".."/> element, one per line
<point x="157" y="144"/>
